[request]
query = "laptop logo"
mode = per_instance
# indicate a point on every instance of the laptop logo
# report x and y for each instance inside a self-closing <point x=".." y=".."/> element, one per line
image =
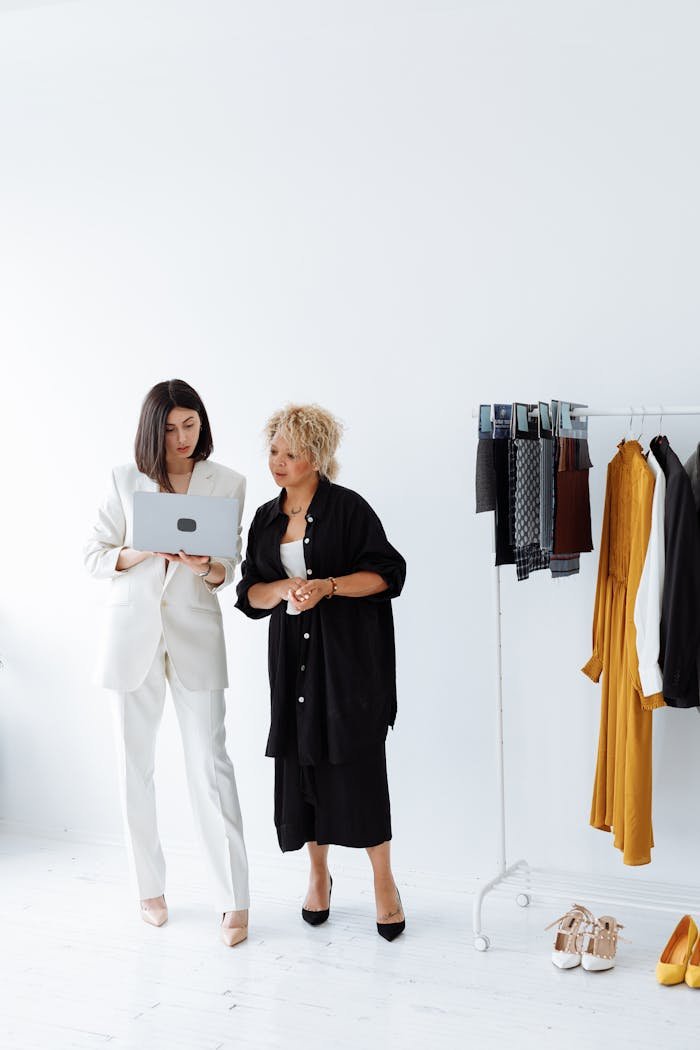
<point x="186" y="525"/>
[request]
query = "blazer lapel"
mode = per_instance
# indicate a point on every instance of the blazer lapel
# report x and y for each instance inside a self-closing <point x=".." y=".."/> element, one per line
<point x="201" y="484"/>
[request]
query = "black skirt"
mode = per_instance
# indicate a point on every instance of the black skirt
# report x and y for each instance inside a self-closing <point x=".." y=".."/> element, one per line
<point x="342" y="805"/>
<point x="346" y="805"/>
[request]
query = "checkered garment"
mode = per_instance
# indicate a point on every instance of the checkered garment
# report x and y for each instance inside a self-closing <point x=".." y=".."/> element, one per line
<point x="529" y="555"/>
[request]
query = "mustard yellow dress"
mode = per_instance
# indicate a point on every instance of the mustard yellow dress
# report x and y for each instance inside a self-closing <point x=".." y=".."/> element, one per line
<point x="622" y="789"/>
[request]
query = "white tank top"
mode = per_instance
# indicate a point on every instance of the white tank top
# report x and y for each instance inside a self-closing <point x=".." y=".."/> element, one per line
<point x="292" y="555"/>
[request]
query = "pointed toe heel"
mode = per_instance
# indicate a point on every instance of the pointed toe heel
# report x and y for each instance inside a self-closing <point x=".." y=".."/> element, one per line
<point x="156" y="915"/>
<point x="673" y="962"/>
<point x="692" y="974"/>
<point x="232" y="935"/>
<point x="391" y="930"/>
<point x="317" y="918"/>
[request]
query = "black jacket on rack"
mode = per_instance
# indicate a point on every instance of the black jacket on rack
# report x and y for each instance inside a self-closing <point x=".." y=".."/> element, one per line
<point x="680" y="613"/>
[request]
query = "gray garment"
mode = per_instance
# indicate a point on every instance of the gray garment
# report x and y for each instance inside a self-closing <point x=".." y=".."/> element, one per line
<point x="546" y="494"/>
<point x="561" y="566"/>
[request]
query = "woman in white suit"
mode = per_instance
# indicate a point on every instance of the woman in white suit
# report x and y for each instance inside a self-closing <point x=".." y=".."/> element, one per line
<point x="164" y="623"/>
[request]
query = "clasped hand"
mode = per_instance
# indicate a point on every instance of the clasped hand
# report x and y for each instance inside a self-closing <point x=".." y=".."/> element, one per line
<point x="305" y="594"/>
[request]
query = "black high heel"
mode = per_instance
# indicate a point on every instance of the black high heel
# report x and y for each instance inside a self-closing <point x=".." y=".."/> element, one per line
<point x="316" y="918"/>
<point x="391" y="930"/>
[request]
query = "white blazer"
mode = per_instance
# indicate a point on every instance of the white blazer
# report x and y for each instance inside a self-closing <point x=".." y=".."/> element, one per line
<point x="145" y="601"/>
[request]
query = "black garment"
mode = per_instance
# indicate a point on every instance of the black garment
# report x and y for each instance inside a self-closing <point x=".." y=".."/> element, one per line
<point x="680" y="610"/>
<point x="505" y="553"/>
<point x="346" y="669"/>
<point x="344" y="805"/>
<point x="485" y="475"/>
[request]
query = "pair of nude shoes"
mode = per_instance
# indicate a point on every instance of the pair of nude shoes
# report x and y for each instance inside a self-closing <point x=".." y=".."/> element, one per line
<point x="584" y="940"/>
<point x="157" y="915"/>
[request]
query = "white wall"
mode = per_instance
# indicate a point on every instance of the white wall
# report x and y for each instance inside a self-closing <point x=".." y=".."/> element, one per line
<point x="397" y="209"/>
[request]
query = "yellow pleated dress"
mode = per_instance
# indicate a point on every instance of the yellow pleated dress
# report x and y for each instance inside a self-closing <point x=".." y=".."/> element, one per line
<point x="622" y="788"/>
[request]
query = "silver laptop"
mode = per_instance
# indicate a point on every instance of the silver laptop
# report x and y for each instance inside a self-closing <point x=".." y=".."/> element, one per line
<point x="170" y="522"/>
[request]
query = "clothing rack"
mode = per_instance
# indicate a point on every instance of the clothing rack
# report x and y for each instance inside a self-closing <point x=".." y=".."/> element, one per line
<point x="503" y="870"/>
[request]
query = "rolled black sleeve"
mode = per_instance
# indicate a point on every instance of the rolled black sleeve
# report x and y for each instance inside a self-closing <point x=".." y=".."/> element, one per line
<point x="372" y="552"/>
<point x="250" y="575"/>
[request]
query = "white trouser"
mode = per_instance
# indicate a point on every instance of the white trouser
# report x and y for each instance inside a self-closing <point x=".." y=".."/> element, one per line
<point x="210" y="778"/>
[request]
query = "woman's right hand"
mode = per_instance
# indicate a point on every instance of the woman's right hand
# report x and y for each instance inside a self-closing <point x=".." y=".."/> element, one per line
<point x="128" y="557"/>
<point x="291" y="584"/>
<point x="269" y="595"/>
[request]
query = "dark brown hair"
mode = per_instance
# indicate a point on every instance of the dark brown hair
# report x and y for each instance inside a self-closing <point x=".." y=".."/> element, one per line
<point x="149" y="446"/>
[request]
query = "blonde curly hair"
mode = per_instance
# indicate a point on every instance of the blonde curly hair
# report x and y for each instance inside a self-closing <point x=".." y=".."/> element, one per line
<point x="311" y="432"/>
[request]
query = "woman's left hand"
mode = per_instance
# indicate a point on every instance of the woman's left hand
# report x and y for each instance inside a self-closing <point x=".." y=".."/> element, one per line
<point x="310" y="594"/>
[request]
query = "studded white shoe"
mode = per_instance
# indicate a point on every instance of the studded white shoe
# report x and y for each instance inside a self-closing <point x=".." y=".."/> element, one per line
<point x="566" y="953"/>
<point x="599" y="944"/>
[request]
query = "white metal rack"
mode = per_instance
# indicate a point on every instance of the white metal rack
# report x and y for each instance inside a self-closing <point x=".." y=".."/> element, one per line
<point x="653" y="897"/>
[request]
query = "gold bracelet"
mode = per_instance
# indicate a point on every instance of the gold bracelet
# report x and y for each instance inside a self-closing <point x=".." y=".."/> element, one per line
<point x="332" y="580"/>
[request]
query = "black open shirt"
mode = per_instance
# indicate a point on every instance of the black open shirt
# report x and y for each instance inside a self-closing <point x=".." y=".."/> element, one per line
<point x="345" y="659"/>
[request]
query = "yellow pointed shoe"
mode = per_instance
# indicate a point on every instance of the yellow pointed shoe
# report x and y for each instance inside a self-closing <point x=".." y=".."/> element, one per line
<point x="692" y="974"/>
<point x="673" y="963"/>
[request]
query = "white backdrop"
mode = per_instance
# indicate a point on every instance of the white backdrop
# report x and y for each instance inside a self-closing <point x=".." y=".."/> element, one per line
<point x="397" y="209"/>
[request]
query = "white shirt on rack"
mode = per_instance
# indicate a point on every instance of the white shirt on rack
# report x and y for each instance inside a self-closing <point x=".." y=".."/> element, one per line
<point x="647" y="607"/>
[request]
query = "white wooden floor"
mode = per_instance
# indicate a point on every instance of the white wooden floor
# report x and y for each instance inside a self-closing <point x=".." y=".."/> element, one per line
<point x="78" y="968"/>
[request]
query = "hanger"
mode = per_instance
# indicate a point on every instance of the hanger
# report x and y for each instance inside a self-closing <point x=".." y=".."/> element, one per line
<point x="644" y="415"/>
<point x="629" y="435"/>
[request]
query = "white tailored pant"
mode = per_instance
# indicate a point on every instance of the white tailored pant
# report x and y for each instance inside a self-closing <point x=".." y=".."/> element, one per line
<point x="210" y="779"/>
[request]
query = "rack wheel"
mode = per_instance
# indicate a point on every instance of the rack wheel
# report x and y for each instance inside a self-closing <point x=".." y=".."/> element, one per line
<point x="523" y="900"/>
<point x="482" y="943"/>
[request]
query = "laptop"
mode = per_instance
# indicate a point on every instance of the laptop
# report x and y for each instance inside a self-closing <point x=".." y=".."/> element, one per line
<point x="170" y="522"/>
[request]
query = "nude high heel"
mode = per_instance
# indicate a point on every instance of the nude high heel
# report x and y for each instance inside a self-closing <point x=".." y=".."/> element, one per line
<point x="155" y="914"/>
<point x="232" y="935"/>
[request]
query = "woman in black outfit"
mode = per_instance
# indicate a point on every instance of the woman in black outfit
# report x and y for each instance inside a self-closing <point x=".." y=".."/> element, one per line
<point x="319" y="564"/>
